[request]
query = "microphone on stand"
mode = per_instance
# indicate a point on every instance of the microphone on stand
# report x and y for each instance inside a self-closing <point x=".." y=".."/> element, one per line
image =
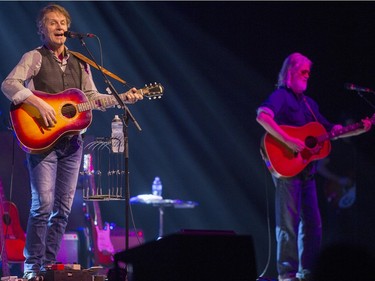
<point x="72" y="34"/>
<point x="353" y="87"/>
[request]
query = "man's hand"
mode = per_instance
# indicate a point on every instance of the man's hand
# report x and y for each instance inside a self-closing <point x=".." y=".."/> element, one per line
<point x="132" y="96"/>
<point x="47" y="112"/>
<point x="295" y="144"/>
<point x="366" y="124"/>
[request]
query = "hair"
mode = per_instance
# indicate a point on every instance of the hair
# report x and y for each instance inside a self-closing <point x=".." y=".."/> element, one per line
<point x="41" y="19"/>
<point x="291" y="64"/>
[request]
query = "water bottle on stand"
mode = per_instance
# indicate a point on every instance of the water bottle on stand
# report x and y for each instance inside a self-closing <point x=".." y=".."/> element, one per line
<point x="117" y="136"/>
<point x="157" y="187"/>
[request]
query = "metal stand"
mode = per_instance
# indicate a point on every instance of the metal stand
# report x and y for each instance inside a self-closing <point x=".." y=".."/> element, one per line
<point x="161" y="204"/>
<point x="125" y="118"/>
<point x="161" y="222"/>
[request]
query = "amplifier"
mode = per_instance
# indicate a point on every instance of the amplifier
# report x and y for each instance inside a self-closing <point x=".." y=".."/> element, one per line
<point x="68" y="253"/>
<point x="70" y="245"/>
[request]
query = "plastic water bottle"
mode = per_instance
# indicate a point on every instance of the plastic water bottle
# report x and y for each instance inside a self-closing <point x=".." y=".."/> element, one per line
<point x="117" y="137"/>
<point x="157" y="187"/>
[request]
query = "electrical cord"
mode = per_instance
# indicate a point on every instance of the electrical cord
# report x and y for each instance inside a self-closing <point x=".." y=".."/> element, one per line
<point x="260" y="278"/>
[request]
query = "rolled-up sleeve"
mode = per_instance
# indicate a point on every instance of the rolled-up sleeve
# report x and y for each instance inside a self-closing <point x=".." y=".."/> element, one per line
<point x="266" y="110"/>
<point x="18" y="84"/>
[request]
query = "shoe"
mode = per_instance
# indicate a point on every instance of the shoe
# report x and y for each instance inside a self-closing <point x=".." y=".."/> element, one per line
<point x="33" y="276"/>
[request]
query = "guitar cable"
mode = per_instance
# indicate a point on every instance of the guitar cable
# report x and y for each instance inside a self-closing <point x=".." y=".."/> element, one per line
<point x="134" y="226"/>
<point x="260" y="278"/>
<point x="97" y="164"/>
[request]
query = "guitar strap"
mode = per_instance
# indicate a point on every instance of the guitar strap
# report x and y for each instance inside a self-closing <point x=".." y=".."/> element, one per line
<point x="308" y="106"/>
<point x="93" y="64"/>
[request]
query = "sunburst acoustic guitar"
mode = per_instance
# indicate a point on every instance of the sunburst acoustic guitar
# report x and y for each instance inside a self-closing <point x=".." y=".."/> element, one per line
<point x="73" y="114"/>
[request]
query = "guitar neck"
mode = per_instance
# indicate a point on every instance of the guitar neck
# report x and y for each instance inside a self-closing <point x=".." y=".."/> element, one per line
<point x="346" y="129"/>
<point x="97" y="215"/>
<point x="342" y="131"/>
<point x="152" y="91"/>
<point x="89" y="171"/>
<point x="102" y="102"/>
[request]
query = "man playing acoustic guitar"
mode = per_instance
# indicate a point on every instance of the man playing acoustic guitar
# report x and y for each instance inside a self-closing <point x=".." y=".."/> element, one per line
<point x="54" y="172"/>
<point x="298" y="222"/>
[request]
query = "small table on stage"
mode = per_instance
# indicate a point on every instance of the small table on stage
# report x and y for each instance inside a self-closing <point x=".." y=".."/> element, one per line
<point x="160" y="203"/>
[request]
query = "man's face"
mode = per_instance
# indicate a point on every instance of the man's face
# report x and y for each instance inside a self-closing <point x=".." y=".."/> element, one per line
<point x="299" y="78"/>
<point x="53" y="30"/>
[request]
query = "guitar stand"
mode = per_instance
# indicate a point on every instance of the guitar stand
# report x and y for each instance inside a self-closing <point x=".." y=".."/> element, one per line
<point x="115" y="172"/>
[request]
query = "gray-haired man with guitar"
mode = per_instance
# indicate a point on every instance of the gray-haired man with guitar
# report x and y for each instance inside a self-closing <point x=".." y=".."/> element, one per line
<point x="53" y="166"/>
<point x="296" y="136"/>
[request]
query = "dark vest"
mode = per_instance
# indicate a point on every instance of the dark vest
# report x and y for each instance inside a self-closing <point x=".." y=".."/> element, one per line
<point x="52" y="79"/>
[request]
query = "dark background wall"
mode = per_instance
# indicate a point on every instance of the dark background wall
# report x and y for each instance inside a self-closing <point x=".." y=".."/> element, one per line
<point x="217" y="62"/>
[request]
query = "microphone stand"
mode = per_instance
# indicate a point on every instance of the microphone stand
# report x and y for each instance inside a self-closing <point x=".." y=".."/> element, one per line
<point x="125" y="119"/>
<point x="365" y="99"/>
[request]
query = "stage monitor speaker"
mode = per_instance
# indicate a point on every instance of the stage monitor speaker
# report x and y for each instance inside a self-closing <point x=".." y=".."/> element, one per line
<point x="192" y="255"/>
<point x="68" y="253"/>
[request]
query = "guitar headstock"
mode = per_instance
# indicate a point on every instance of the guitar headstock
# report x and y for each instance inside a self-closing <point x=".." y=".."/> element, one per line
<point x="153" y="91"/>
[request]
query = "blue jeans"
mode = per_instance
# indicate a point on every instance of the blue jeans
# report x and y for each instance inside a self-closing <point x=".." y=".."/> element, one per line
<point x="298" y="224"/>
<point x="53" y="180"/>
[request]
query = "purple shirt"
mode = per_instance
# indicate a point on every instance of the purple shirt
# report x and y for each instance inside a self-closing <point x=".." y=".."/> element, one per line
<point x="289" y="109"/>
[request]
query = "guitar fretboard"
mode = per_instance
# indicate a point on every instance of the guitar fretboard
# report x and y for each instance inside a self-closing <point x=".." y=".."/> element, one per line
<point x="342" y="131"/>
<point x="102" y="102"/>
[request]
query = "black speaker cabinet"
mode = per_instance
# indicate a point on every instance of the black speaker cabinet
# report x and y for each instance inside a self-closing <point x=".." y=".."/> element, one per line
<point x="192" y="255"/>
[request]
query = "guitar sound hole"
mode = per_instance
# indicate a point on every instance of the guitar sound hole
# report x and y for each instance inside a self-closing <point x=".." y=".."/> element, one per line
<point x="69" y="110"/>
<point x="311" y="142"/>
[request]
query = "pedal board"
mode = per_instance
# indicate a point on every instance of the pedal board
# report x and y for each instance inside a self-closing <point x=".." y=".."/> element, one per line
<point x="67" y="274"/>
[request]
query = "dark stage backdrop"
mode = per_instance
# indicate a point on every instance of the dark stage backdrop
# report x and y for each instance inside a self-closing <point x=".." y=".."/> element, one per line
<point x="217" y="62"/>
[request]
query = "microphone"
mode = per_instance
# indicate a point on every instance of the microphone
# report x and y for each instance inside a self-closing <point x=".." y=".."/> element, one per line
<point x="353" y="87"/>
<point x="72" y="34"/>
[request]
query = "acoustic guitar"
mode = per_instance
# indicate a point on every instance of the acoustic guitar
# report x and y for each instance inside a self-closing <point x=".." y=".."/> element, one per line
<point x="73" y="114"/>
<point x="283" y="162"/>
<point x="12" y="236"/>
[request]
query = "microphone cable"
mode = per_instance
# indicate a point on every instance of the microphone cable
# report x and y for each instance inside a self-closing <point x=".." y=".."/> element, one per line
<point x="261" y="276"/>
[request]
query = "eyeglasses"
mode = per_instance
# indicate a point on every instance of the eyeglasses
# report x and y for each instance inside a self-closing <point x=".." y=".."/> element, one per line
<point x="305" y="72"/>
